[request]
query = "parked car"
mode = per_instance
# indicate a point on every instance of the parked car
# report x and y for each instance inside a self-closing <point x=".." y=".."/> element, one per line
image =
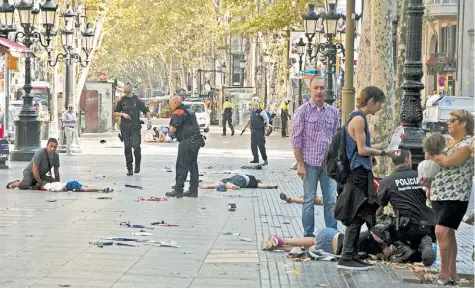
<point x="201" y="112"/>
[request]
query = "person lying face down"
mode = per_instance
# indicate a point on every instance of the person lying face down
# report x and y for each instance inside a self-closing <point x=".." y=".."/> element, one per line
<point x="71" y="185"/>
<point x="236" y="182"/>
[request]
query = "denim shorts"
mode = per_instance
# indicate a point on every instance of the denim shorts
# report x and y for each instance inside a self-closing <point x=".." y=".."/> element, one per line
<point x="324" y="239"/>
<point x="73" y="185"/>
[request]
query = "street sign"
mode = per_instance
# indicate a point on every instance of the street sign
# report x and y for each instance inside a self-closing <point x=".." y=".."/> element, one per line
<point x="103" y="76"/>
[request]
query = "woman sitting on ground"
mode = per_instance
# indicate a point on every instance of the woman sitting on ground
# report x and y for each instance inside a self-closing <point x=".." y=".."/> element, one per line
<point x="65" y="187"/>
<point x="236" y="182"/>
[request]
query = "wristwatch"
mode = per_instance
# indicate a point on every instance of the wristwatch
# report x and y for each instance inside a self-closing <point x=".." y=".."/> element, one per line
<point x="383" y="152"/>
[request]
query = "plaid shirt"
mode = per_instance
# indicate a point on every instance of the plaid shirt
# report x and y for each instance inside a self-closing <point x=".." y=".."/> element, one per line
<point x="313" y="129"/>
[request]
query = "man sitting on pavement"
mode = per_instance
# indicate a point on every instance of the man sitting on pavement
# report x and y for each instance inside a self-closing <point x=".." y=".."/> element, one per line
<point x="38" y="171"/>
<point x="238" y="181"/>
<point x="414" y="223"/>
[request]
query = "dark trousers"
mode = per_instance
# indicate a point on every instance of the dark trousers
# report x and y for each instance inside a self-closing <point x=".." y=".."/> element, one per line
<point x="258" y="140"/>
<point x="187" y="161"/>
<point x="132" y="139"/>
<point x="412" y="233"/>
<point x="350" y="241"/>
<point x="284" y="126"/>
<point x="227" y="118"/>
<point x="29" y="181"/>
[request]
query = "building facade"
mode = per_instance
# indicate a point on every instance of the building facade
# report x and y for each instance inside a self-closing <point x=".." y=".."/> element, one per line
<point x="466" y="49"/>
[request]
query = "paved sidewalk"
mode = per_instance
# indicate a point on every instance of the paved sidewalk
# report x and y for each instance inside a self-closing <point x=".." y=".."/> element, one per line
<point x="46" y="244"/>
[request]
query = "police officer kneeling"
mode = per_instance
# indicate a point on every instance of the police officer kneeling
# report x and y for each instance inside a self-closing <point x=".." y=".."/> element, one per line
<point x="129" y="108"/>
<point x="186" y="129"/>
<point x="414" y="223"/>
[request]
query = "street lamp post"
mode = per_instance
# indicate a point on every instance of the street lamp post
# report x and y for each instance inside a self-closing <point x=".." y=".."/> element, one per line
<point x="326" y="49"/>
<point x="300" y="51"/>
<point x="72" y="20"/>
<point x="265" y="59"/>
<point x="27" y="127"/>
<point x="242" y="66"/>
<point x="411" y="110"/>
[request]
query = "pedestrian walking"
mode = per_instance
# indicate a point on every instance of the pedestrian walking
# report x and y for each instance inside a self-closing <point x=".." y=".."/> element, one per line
<point x="129" y="108"/>
<point x="227" y="116"/>
<point x="69" y="124"/>
<point x="358" y="201"/>
<point x="186" y="129"/>
<point x="313" y="127"/>
<point x="258" y="121"/>
<point x="285" y="116"/>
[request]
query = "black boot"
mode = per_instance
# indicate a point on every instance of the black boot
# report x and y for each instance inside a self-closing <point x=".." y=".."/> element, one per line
<point x="129" y="170"/>
<point x="428" y="254"/>
<point x="404" y="252"/>
<point x="232" y="132"/>
<point x="254" y="161"/>
<point x="190" y="194"/>
<point x="137" y="168"/>
<point x="175" y="194"/>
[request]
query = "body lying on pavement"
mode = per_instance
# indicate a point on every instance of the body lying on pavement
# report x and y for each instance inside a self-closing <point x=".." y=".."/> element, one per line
<point x="71" y="185"/>
<point x="236" y="182"/>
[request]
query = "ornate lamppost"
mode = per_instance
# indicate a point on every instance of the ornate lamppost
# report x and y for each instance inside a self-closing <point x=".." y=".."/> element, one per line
<point x="27" y="127"/>
<point x="411" y="109"/>
<point x="300" y="51"/>
<point x="327" y="49"/>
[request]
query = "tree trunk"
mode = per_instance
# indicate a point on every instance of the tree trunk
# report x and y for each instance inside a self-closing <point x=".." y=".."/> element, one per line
<point x="401" y="57"/>
<point x="376" y="68"/>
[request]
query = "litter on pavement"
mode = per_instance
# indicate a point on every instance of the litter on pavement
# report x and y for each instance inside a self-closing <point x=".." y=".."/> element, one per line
<point x="126" y="244"/>
<point x="163" y="224"/>
<point x="100" y="176"/>
<point x="152" y="199"/>
<point x="168" y="170"/>
<point x="128" y="224"/>
<point x="134" y="187"/>
<point x="256" y="167"/>
<point x="231" y="233"/>
<point x="245" y="239"/>
<point x="104" y="198"/>
<point x="171" y="244"/>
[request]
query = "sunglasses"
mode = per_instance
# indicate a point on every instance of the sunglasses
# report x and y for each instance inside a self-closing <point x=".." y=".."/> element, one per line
<point x="452" y="120"/>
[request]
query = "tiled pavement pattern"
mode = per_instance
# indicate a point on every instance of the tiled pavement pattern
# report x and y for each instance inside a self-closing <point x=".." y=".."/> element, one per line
<point x="46" y="244"/>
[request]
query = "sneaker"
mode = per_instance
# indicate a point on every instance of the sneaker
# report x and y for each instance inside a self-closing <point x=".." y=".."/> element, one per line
<point x="108" y="190"/>
<point x="175" y="194"/>
<point x="370" y="266"/>
<point x="254" y="162"/>
<point x="190" y="194"/>
<point x="351" y="265"/>
<point x="428" y="253"/>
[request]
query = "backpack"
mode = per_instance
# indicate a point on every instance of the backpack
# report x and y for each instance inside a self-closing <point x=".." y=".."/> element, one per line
<point x="336" y="163"/>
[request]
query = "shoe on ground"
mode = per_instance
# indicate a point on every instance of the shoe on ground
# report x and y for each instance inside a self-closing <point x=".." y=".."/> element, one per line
<point x="370" y="266"/>
<point x="428" y="253"/>
<point x="174" y="194"/>
<point x="284" y="197"/>
<point x="232" y="133"/>
<point x="137" y="169"/>
<point x="442" y="281"/>
<point x="223" y="134"/>
<point x="9" y="185"/>
<point x="130" y="172"/>
<point x="351" y="265"/>
<point x="190" y="194"/>
<point x="254" y="162"/>
<point x="265" y="163"/>
<point x="108" y="190"/>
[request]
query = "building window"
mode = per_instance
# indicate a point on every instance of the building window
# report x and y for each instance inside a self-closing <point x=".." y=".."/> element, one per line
<point x="443" y="40"/>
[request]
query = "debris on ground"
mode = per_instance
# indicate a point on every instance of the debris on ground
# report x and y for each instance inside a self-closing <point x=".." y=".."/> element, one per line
<point x="99" y="176"/>
<point x="256" y="167"/>
<point x="168" y="170"/>
<point x="141" y="234"/>
<point x="51" y="200"/>
<point x="104" y="198"/>
<point x="101" y="244"/>
<point x="102" y="141"/>
<point x="208" y="167"/>
<point x="286" y="223"/>
<point x="151" y="199"/>
<point x="121" y="239"/>
<point x="163" y="224"/>
<point x="134" y="187"/>
<point x="231" y="233"/>
<point x="322" y="285"/>
<point x="245" y="239"/>
<point x="126" y="244"/>
<point x="128" y="224"/>
<point x="231" y="207"/>
<point x="170" y="244"/>
<point x="64" y="286"/>
<point x="295" y="272"/>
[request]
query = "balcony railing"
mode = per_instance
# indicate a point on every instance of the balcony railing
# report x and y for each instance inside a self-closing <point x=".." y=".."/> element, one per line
<point x="439" y="8"/>
<point x="441" y="63"/>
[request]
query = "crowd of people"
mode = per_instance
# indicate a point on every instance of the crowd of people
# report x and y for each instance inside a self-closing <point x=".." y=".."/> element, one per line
<point x="357" y="200"/>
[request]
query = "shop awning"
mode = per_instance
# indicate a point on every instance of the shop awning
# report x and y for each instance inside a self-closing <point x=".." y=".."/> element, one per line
<point x="15" y="49"/>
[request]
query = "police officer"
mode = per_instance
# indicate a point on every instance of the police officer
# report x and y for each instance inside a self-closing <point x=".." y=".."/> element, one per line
<point x="186" y="129"/>
<point x="258" y="121"/>
<point x="284" y="115"/>
<point x="227" y="116"/>
<point x="129" y="108"/>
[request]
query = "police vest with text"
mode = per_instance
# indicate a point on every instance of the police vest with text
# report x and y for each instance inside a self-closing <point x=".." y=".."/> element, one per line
<point x="257" y="121"/>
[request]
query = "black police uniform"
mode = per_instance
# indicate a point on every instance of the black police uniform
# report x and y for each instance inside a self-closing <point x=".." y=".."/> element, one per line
<point x="130" y="129"/>
<point x="284" y="115"/>
<point x="190" y="141"/>
<point x="414" y="219"/>
<point x="258" y="139"/>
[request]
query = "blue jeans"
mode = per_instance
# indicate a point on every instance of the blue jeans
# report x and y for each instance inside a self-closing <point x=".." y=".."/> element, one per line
<point x="310" y="184"/>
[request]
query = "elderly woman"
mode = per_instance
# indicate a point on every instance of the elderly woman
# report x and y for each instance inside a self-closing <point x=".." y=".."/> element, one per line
<point x="450" y="190"/>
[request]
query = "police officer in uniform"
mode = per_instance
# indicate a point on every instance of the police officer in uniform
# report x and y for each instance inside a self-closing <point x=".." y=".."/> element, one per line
<point x="186" y="129"/>
<point x="284" y="115"/>
<point x="227" y="116"/>
<point x="258" y="121"/>
<point x="129" y="108"/>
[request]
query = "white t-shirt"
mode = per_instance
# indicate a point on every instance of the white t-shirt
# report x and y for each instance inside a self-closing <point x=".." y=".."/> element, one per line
<point x="55" y="187"/>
